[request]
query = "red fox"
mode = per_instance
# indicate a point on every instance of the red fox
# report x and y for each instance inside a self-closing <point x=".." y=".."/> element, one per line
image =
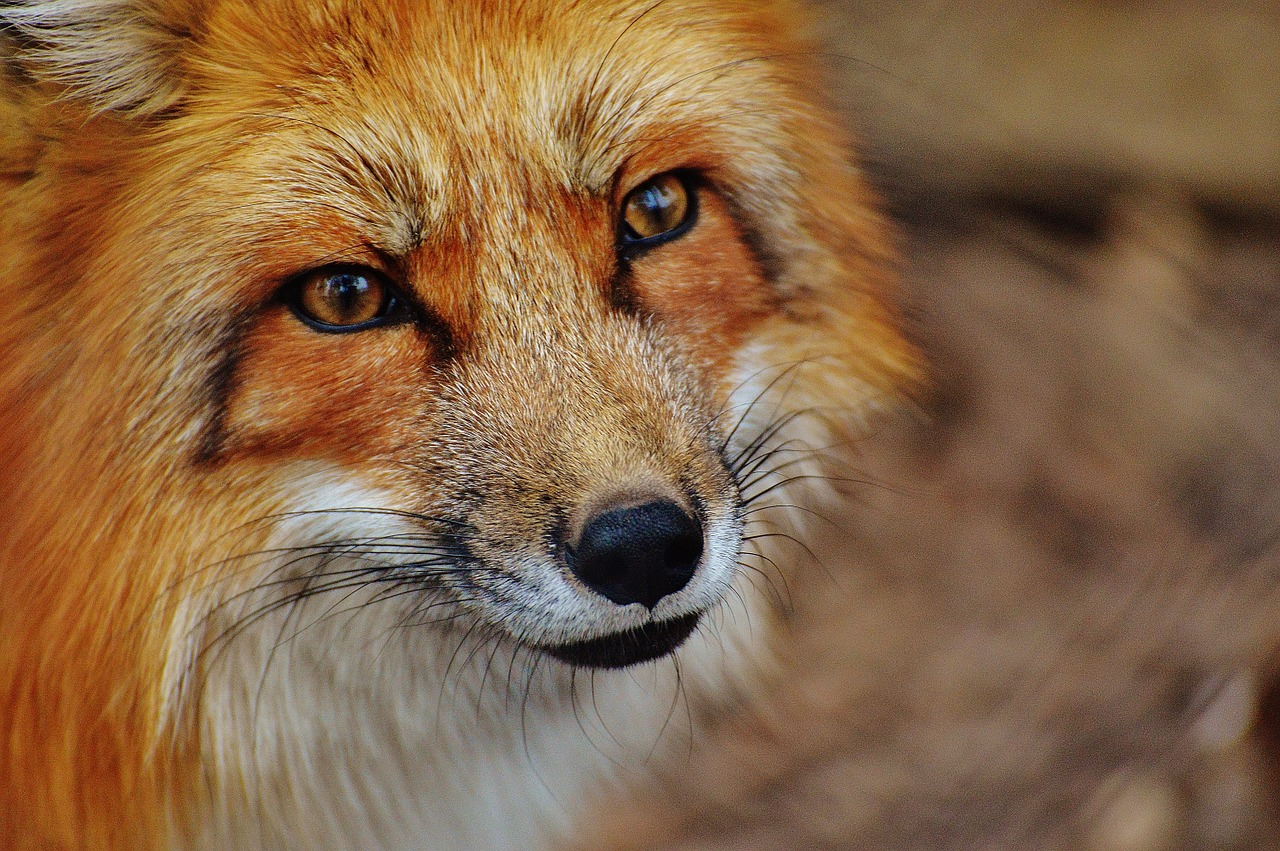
<point x="400" y="402"/>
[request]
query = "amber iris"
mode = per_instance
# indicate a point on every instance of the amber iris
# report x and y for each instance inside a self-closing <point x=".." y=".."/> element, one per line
<point x="342" y="298"/>
<point x="657" y="207"/>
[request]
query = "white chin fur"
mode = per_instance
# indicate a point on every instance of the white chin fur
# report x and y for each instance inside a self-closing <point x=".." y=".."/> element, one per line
<point x="338" y="723"/>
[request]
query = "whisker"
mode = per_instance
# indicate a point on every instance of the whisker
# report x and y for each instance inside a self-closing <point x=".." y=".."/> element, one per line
<point x="787" y="369"/>
<point x="783" y="600"/>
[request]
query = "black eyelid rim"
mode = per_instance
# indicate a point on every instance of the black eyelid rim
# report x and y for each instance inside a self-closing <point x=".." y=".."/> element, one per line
<point x="629" y="246"/>
<point x="394" y="310"/>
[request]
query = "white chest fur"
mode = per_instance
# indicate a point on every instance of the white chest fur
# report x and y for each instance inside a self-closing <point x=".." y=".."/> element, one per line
<point x="337" y="725"/>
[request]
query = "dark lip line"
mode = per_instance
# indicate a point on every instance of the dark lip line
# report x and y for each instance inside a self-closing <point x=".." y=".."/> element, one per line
<point x="630" y="647"/>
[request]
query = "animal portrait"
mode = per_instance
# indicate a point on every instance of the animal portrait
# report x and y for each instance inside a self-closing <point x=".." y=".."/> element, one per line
<point x="411" y="412"/>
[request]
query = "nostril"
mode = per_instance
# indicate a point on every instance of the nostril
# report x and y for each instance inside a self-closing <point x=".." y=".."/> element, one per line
<point x="638" y="554"/>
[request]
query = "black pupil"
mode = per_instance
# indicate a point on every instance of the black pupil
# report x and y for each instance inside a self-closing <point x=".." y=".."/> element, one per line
<point x="347" y="292"/>
<point x="656" y="201"/>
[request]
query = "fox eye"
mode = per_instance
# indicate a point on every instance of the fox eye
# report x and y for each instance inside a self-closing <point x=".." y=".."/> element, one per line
<point x="335" y="299"/>
<point x="659" y="209"/>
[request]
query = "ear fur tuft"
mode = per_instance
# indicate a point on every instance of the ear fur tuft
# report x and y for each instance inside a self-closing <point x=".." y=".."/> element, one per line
<point x="117" y="54"/>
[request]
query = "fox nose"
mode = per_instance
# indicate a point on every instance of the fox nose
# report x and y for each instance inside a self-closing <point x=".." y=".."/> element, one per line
<point x="638" y="554"/>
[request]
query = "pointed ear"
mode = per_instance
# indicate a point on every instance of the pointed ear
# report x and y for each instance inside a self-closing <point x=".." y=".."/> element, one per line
<point x="117" y="54"/>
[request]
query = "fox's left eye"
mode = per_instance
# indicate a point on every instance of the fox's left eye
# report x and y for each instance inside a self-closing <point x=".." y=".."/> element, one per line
<point x="659" y="209"/>
<point x="335" y="299"/>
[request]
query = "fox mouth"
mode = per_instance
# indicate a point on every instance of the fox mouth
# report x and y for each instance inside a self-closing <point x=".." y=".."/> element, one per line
<point x="624" y="649"/>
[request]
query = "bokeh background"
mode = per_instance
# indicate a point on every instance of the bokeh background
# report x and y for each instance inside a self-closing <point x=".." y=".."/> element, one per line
<point x="1051" y="616"/>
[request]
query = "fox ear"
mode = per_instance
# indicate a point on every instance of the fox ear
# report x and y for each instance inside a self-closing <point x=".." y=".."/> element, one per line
<point x="117" y="54"/>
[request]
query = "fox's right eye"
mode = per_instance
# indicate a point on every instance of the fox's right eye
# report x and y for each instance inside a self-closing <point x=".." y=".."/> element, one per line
<point x="336" y="299"/>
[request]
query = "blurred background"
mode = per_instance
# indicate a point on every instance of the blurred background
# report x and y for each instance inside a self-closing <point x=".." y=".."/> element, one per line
<point x="1051" y="617"/>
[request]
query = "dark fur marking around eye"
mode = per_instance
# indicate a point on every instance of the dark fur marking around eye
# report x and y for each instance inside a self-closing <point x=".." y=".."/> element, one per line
<point x="444" y="342"/>
<point x="622" y="291"/>
<point x="218" y="389"/>
<point x="769" y="263"/>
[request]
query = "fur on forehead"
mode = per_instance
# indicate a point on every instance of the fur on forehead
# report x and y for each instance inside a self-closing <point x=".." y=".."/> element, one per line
<point x="559" y="84"/>
<point x="145" y="55"/>
<point x="552" y="78"/>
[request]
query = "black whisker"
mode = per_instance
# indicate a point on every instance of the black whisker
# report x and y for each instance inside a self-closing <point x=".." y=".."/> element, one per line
<point x="783" y="600"/>
<point x="786" y="370"/>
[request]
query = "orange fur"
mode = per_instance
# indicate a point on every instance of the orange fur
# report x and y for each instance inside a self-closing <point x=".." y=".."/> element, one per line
<point x="158" y="401"/>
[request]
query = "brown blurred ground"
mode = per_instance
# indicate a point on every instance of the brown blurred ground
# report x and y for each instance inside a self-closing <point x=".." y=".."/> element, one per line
<point x="1052" y="621"/>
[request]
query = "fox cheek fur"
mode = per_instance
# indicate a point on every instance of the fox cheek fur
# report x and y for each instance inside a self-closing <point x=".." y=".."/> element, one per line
<point x="356" y="425"/>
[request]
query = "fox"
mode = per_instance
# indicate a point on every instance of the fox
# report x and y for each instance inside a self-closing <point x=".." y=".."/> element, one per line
<point x="409" y="409"/>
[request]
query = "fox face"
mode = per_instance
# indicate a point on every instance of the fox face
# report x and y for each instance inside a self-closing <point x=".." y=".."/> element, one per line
<point x="381" y="376"/>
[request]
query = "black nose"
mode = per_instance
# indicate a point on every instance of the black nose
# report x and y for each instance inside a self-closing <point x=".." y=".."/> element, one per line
<point x="638" y="554"/>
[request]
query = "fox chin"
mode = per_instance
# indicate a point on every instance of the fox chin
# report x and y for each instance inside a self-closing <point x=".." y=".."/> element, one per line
<point x="408" y="408"/>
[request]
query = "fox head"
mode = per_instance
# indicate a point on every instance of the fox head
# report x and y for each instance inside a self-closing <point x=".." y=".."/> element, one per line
<point x="360" y="355"/>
